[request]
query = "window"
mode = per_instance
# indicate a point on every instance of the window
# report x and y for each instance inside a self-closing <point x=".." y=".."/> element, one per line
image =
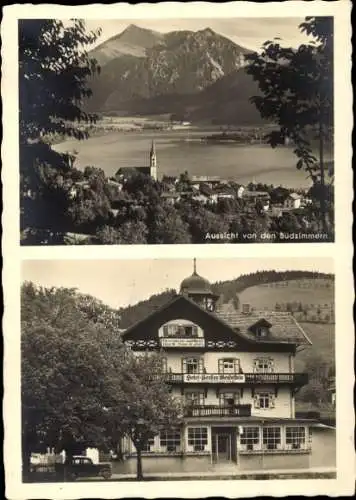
<point x="164" y="364"/>
<point x="263" y="365"/>
<point x="264" y="400"/>
<point x="179" y="331"/>
<point x="295" y="437"/>
<point x="250" y="437"/>
<point x="195" y="398"/>
<point x="229" y="398"/>
<point x="261" y="331"/>
<point x="209" y="304"/>
<point x="150" y="443"/>
<point x="229" y="365"/>
<point x="271" y="438"/>
<point x="170" y="439"/>
<point x="193" y="365"/>
<point x="198" y="437"/>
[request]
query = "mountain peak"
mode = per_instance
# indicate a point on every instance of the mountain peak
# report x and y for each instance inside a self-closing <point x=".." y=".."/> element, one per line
<point x="207" y="31"/>
<point x="134" y="29"/>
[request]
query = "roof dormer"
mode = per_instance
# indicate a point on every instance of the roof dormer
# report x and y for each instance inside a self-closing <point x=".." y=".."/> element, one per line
<point x="261" y="329"/>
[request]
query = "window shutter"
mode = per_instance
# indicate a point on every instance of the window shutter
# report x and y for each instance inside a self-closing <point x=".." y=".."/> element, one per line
<point x="272" y="402"/>
<point x="195" y="331"/>
<point x="221" y="365"/>
<point x="255" y="365"/>
<point x="200" y="365"/>
<point x="237" y="365"/>
<point x="256" y="401"/>
<point x="184" y="365"/>
<point x="271" y="365"/>
<point x="165" y="330"/>
<point x="237" y="398"/>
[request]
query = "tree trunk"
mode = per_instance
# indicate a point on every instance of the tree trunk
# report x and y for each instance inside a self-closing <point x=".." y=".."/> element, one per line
<point x="67" y="463"/>
<point x="139" y="473"/>
<point x="322" y="179"/>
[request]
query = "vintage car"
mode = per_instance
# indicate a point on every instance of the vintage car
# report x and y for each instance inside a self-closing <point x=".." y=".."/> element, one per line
<point x="82" y="466"/>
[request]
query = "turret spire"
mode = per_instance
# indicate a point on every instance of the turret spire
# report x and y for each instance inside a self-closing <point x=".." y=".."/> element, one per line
<point x="194" y="266"/>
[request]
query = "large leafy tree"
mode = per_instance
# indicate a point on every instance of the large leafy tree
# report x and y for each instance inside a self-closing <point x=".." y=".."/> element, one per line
<point x="54" y="70"/>
<point x="297" y="95"/>
<point x="141" y="402"/>
<point x="67" y="341"/>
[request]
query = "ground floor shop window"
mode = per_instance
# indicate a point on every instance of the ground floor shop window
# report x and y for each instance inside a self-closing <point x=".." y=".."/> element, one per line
<point x="170" y="440"/>
<point x="250" y="437"/>
<point x="198" y="438"/>
<point x="271" y="438"/>
<point x="295" y="437"/>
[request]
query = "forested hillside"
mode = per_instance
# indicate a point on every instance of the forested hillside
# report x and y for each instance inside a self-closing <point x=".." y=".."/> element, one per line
<point x="228" y="291"/>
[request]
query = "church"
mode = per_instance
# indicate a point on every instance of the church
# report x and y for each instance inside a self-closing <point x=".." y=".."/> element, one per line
<point x="151" y="169"/>
<point x="236" y="369"/>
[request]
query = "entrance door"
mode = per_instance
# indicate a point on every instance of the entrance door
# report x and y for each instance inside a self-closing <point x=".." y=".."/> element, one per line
<point x="222" y="447"/>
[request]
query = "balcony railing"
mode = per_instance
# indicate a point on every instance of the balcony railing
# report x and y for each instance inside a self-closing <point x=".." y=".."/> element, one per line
<point x="245" y="378"/>
<point x="277" y="378"/>
<point x="218" y="411"/>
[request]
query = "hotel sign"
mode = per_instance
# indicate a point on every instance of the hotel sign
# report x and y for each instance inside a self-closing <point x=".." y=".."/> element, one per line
<point x="227" y="378"/>
<point x="172" y="342"/>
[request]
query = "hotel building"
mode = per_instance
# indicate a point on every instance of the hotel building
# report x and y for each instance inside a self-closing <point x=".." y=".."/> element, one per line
<point x="236" y="369"/>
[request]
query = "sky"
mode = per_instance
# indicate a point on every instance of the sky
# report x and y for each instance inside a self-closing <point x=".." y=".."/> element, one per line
<point x="119" y="283"/>
<point x="250" y="33"/>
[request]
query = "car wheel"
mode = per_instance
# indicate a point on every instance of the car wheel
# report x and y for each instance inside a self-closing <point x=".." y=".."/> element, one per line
<point x="73" y="476"/>
<point x="106" y="474"/>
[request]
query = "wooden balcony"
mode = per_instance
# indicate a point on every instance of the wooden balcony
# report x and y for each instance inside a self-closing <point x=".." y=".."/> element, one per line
<point x="218" y="411"/>
<point x="296" y="379"/>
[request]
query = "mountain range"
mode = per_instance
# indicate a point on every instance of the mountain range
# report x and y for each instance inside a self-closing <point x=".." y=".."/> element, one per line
<point x="197" y="76"/>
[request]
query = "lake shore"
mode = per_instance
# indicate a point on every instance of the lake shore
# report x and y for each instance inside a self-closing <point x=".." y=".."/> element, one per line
<point x="182" y="150"/>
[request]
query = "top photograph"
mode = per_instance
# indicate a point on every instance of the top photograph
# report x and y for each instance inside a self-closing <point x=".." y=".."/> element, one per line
<point x="165" y="131"/>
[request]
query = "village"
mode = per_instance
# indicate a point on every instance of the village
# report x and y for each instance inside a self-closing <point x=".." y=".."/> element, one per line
<point x="208" y="190"/>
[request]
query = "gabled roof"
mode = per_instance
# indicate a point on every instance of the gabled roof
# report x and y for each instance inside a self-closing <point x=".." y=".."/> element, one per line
<point x="284" y="329"/>
<point x="284" y="326"/>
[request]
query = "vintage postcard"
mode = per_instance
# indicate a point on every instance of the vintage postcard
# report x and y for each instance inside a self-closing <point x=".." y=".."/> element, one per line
<point x="141" y="359"/>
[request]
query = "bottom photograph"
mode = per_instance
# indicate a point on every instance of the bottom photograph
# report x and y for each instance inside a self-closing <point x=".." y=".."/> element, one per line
<point x="177" y="369"/>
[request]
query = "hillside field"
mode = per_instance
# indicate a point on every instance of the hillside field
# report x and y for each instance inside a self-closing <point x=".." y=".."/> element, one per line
<point x="313" y="293"/>
<point x="306" y="291"/>
<point x="323" y="339"/>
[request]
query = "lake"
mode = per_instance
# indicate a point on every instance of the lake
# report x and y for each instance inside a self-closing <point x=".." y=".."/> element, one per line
<point x="180" y="150"/>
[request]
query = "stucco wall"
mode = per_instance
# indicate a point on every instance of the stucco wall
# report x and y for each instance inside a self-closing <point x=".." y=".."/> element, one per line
<point x="275" y="461"/>
<point x="323" y="447"/>
<point x="164" y="464"/>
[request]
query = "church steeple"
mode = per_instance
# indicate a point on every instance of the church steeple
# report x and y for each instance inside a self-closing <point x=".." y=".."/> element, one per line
<point x="153" y="161"/>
